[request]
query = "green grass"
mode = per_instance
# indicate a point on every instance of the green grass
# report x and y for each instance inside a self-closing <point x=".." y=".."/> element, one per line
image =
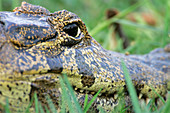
<point x="7" y="110"/>
<point x="131" y="89"/>
<point x="69" y="101"/>
<point x="134" y="99"/>
<point x="122" y="14"/>
<point x="0" y="5"/>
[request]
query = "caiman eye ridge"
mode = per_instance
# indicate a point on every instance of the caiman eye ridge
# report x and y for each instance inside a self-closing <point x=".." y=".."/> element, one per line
<point x="27" y="45"/>
<point x="72" y="29"/>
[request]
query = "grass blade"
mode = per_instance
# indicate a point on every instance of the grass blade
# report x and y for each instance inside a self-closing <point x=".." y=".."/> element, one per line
<point x="91" y="101"/>
<point x="106" y="23"/>
<point x="66" y="96"/>
<point x="166" y="24"/>
<point x="47" y="110"/>
<point x="40" y="108"/>
<point x="36" y="103"/>
<point x="62" y="103"/>
<point x="85" y="100"/>
<point x="72" y="94"/>
<point x="125" y="109"/>
<point x="7" y="110"/>
<point x="30" y="104"/>
<point x="131" y="89"/>
<point x="101" y="110"/>
<point x="158" y="95"/>
<point x="137" y="25"/>
<point x="167" y="105"/>
<point x="50" y="104"/>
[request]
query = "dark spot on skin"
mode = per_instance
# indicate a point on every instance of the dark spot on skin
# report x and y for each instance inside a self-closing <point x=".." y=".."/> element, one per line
<point x="9" y="87"/>
<point x="47" y="77"/>
<point x="10" y="77"/>
<point x="20" y="99"/>
<point x="71" y="68"/>
<point x="87" y="80"/>
<point x="0" y="84"/>
<point x="165" y="69"/>
<point x="125" y="87"/>
<point x="141" y="86"/>
<point x="156" y="101"/>
<point x="79" y="69"/>
<point x="149" y="90"/>
<point x="0" y="93"/>
<point x="165" y="98"/>
<point x="21" y="72"/>
<point x="17" y="84"/>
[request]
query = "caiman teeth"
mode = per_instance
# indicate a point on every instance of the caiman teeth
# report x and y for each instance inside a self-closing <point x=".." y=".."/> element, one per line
<point x="115" y="96"/>
<point x="81" y="91"/>
<point x="75" y="89"/>
<point x="93" y="93"/>
<point x="159" y="102"/>
<point x="166" y="96"/>
<point x="99" y="94"/>
<point x="87" y="91"/>
<point x="147" y="100"/>
<point x="140" y="95"/>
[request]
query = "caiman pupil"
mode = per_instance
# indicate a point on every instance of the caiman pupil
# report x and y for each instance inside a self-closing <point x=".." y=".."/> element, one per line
<point x="72" y="30"/>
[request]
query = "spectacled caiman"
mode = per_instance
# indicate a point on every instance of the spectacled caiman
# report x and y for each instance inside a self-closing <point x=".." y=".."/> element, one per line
<point x="37" y="46"/>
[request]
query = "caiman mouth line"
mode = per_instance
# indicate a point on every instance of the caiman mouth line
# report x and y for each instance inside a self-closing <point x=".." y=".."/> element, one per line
<point x="115" y="96"/>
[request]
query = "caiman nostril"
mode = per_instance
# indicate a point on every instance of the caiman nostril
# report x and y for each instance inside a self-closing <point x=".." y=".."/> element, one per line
<point x="1" y="22"/>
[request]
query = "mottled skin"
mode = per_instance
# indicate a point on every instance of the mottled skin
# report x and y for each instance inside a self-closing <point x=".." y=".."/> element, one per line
<point x="36" y="47"/>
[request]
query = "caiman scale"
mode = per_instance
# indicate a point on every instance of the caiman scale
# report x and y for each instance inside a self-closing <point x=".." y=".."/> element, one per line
<point x="37" y="46"/>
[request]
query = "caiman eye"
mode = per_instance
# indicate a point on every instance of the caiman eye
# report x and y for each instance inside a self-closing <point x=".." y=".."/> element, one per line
<point x="72" y="30"/>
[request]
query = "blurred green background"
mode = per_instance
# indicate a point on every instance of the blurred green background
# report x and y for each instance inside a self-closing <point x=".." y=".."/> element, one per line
<point x="143" y="36"/>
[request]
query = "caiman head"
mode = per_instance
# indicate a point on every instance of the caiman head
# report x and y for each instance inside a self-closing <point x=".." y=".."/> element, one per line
<point x="37" y="46"/>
